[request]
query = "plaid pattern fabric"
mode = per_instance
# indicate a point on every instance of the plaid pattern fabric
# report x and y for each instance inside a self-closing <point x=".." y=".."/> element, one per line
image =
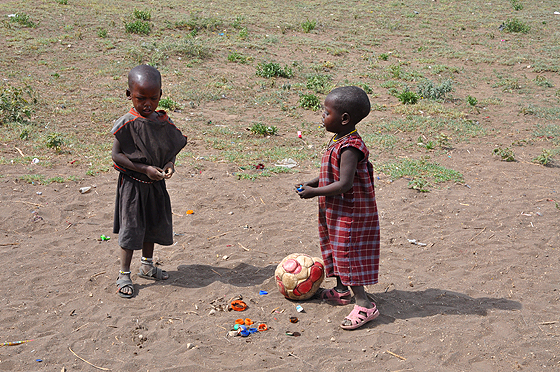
<point x="348" y="223"/>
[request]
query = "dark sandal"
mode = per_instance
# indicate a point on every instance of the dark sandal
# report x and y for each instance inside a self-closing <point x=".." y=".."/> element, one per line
<point x="155" y="273"/>
<point x="125" y="283"/>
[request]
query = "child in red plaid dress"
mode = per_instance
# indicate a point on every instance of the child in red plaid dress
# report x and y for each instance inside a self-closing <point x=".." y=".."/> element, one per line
<point x="348" y="221"/>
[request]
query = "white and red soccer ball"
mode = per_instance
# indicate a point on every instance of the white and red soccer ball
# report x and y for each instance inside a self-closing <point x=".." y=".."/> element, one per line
<point x="299" y="276"/>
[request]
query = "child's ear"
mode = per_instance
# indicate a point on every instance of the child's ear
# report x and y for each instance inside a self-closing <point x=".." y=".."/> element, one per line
<point x="128" y="94"/>
<point x="345" y="118"/>
<point x="160" y="93"/>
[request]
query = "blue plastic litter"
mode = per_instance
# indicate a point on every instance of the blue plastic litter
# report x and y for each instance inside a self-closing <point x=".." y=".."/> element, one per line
<point x="263" y="292"/>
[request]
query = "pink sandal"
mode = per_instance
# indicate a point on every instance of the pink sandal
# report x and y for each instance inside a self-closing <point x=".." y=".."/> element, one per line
<point x="360" y="316"/>
<point x="340" y="298"/>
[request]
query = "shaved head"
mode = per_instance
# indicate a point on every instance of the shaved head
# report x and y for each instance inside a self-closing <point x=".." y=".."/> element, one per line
<point x="352" y="100"/>
<point x="144" y="75"/>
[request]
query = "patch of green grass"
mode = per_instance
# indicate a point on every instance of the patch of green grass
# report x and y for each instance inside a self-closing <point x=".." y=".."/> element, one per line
<point x="237" y="57"/>
<point x="62" y="2"/>
<point x="546" y="157"/>
<point x="423" y="173"/>
<point x="39" y="179"/>
<point x="516" y="26"/>
<point x="384" y="56"/>
<point x="309" y="101"/>
<point x="507" y="84"/>
<point x="548" y="113"/>
<point x="271" y="69"/>
<point x="144" y="15"/>
<point x="22" y="19"/>
<point x="138" y="27"/>
<point x="543" y="81"/>
<point x="506" y="154"/>
<point x="427" y="89"/>
<point x="516" y="5"/>
<point x="472" y="101"/>
<point x="550" y="132"/>
<point x="102" y="33"/>
<point x="263" y="130"/>
<point x="308" y="26"/>
<point x="168" y="104"/>
<point x="200" y="23"/>
<point x="54" y="141"/>
<point x="407" y="97"/>
<point x="459" y="129"/>
<point x="380" y="140"/>
<point x="16" y="104"/>
<point x="319" y="83"/>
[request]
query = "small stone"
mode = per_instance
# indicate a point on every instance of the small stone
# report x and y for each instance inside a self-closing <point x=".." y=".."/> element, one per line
<point x="333" y="339"/>
<point x="212" y="312"/>
<point x="190" y="346"/>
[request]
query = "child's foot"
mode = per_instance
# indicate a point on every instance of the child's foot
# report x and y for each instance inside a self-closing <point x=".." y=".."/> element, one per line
<point x="148" y="271"/>
<point x="340" y="296"/>
<point x="124" y="285"/>
<point x="360" y="315"/>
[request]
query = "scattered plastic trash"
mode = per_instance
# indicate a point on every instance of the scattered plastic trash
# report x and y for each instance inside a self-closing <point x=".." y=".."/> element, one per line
<point x="104" y="238"/>
<point x="190" y="211"/>
<point x="262" y="293"/>
<point x="259" y="166"/>
<point x="83" y="190"/>
<point x="299" y="133"/>
<point x="35" y="160"/>
<point x="14" y="343"/>
<point x="262" y="327"/>
<point x="557" y="13"/>
<point x="294" y="319"/>
<point x="299" y="309"/>
<point x="238" y="305"/>
<point x="287" y="163"/>
<point x="413" y="241"/>
<point x="295" y="334"/>
<point x="39" y="193"/>
<point x="39" y="360"/>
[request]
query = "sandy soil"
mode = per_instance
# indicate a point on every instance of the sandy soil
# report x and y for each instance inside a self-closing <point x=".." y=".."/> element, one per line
<point x="482" y="294"/>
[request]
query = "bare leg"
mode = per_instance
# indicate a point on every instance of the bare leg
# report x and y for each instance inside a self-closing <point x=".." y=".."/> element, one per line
<point x="339" y="286"/>
<point x="362" y="300"/>
<point x="126" y="259"/>
<point x="148" y="252"/>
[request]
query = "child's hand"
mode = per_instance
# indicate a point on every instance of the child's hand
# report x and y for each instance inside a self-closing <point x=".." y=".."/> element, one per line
<point x="169" y="170"/>
<point x="305" y="191"/>
<point x="155" y="173"/>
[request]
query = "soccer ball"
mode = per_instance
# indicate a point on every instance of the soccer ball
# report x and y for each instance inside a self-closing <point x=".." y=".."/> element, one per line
<point x="299" y="276"/>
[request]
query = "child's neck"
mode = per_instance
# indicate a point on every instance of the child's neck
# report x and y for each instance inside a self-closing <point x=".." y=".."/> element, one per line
<point x="338" y="136"/>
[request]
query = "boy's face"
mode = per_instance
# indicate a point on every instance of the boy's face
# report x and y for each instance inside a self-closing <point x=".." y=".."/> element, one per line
<point x="332" y="119"/>
<point x="145" y="97"/>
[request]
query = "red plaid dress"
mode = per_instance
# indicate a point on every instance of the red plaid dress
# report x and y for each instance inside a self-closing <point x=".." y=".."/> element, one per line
<point x="348" y="223"/>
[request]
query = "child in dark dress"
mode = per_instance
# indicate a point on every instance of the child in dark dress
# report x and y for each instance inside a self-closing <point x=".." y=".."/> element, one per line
<point x="348" y="221"/>
<point x="144" y="149"/>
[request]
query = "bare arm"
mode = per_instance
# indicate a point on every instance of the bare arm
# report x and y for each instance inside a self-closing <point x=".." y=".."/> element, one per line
<point x="348" y="163"/>
<point x="154" y="173"/>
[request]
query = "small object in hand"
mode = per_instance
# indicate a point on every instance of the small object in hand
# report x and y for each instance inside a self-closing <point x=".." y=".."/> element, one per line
<point x="300" y="188"/>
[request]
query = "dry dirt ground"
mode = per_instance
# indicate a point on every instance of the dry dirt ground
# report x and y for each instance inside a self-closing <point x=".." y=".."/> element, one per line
<point x="481" y="294"/>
